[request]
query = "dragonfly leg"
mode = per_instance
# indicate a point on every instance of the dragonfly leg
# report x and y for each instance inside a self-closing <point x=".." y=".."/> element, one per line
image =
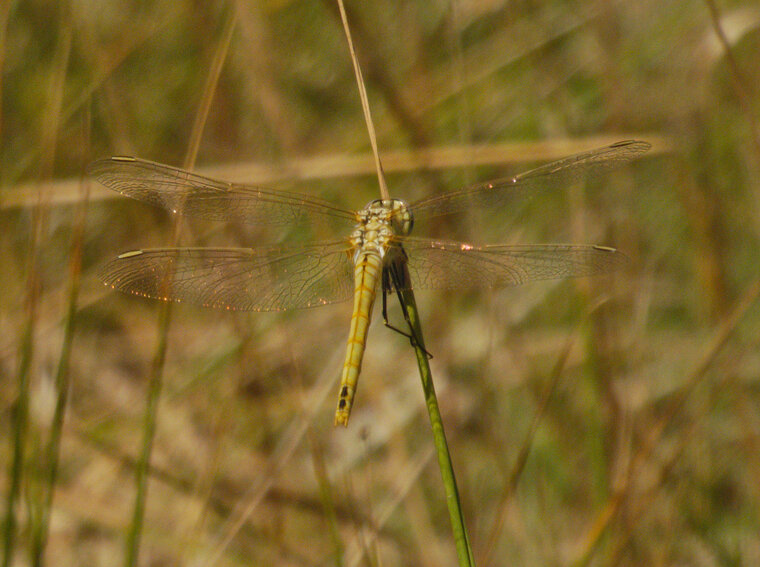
<point x="386" y="289"/>
<point x="392" y="328"/>
<point x="392" y="282"/>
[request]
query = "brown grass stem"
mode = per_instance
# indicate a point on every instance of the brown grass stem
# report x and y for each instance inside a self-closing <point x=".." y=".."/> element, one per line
<point x="341" y="166"/>
<point x="62" y="379"/>
<point x="365" y="104"/>
<point x="737" y="77"/>
<point x="512" y="480"/>
<point x="723" y="332"/>
<point x="645" y="502"/>
<point x="155" y="380"/>
<point x="20" y="423"/>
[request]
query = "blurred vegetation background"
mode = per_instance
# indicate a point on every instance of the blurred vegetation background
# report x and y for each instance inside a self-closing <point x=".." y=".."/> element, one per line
<point x="606" y="421"/>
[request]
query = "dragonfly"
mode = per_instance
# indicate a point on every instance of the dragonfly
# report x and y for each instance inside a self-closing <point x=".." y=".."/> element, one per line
<point x="375" y="249"/>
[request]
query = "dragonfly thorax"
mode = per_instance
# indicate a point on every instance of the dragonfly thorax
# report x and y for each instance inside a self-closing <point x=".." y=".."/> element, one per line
<point x="378" y="223"/>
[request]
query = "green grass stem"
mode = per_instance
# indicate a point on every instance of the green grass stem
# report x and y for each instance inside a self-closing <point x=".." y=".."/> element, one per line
<point x="20" y="424"/>
<point x="21" y="414"/>
<point x="149" y="427"/>
<point x="453" y="502"/>
<point x="52" y="453"/>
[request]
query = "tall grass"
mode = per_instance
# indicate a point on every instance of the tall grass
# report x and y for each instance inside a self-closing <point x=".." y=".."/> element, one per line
<point x="18" y="473"/>
<point x="155" y="380"/>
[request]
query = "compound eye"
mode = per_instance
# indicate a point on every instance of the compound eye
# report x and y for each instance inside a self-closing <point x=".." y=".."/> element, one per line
<point x="402" y="218"/>
<point x="409" y="224"/>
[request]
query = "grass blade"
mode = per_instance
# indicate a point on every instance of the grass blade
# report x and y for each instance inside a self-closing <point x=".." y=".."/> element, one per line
<point x="19" y="427"/>
<point x="461" y="539"/>
<point x="53" y="447"/>
<point x="157" y="365"/>
<point x="722" y="334"/>
<point x="48" y="146"/>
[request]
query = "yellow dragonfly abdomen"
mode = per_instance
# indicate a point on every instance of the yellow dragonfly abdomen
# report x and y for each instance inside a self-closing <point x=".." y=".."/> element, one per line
<point x="366" y="274"/>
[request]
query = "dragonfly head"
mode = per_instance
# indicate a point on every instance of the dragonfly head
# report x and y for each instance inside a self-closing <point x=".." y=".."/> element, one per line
<point x="396" y="212"/>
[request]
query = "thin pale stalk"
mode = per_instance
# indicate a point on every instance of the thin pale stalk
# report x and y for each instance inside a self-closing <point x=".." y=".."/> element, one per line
<point x="157" y="366"/>
<point x="365" y="103"/>
<point x="212" y="80"/>
<point x="461" y="539"/>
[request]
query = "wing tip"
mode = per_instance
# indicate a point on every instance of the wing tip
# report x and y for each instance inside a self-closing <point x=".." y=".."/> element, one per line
<point x="129" y="254"/>
<point x="636" y="146"/>
<point x="618" y="259"/>
<point x="101" y="169"/>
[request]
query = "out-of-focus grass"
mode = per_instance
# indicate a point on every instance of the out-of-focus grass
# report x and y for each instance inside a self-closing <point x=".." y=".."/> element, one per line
<point x="231" y="460"/>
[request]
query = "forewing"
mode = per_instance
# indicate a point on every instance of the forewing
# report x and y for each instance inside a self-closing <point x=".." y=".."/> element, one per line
<point x="498" y="194"/>
<point x="243" y="279"/>
<point x="436" y="264"/>
<point x="178" y="190"/>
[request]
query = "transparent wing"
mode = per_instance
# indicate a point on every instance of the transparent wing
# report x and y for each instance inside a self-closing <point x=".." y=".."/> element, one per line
<point x="194" y="195"/>
<point x="499" y="193"/>
<point x="436" y="264"/>
<point x="244" y="279"/>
